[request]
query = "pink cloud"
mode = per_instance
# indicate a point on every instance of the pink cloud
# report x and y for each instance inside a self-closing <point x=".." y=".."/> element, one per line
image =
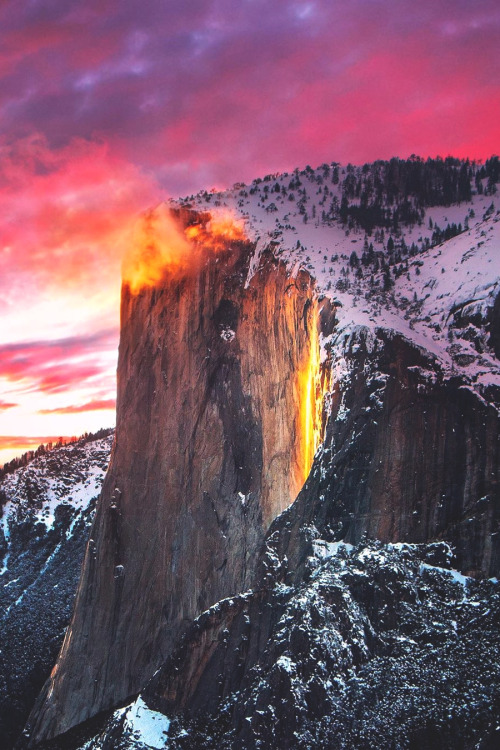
<point x="57" y="366"/>
<point x="96" y="405"/>
<point x="213" y="92"/>
<point x="4" y="405"/>
<point x="24" y="443"/>
<point x="66" y="211"/>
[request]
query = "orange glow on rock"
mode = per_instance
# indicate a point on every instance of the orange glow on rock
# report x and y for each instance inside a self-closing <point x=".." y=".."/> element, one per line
<point x="157" y="244"/>
<point x="161" y="245"/>
<point x="312" y="390"/>
<point x="224" y="227"/>
<point x="221" y="228"/>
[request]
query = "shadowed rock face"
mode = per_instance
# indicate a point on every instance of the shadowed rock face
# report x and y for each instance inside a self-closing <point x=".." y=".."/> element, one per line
<point x="371" y="646"/>
<point x="208" y="450"/>
<point x="494" y="326"/>
<point x="408" y="456"/>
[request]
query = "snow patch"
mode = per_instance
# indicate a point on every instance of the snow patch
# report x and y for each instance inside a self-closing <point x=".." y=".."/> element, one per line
<point x="227" y="334"/>
<point x="146" y="726"/>
<point x="455" y="574"/>
<point x="325" y="550"/>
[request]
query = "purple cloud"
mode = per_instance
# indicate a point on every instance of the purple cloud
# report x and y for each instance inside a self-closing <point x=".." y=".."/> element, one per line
<point x="232" y="88"/>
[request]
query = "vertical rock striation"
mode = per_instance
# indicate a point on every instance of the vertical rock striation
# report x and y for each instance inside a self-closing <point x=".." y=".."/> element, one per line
<point x="209" y="448"/>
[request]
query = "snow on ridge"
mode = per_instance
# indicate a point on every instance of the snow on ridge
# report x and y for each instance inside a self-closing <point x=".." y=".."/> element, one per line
<point x="72" y="475"/>
<point x="429" y="289"/>
<point x="144" y="726"/>
<point x="455" y="575"/>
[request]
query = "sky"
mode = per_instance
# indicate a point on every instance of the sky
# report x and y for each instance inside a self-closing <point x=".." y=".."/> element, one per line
<point x="108" y="108"/>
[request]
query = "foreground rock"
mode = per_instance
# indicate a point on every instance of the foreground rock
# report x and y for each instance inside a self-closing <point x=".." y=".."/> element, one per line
<point x="371" y="646"/>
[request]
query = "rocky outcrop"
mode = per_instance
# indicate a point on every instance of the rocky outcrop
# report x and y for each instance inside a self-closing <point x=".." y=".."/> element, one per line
<point x="370" y="646"/>
<point x="211" y="444"/>
<point x="374" y="646"/>
<point x="494" y="326"/>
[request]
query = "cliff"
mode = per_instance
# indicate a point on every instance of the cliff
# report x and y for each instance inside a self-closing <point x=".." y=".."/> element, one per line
<point x="212" y="442"/>
<point x="234" y="366"/>
<point x="410" y="455"/>
<point x="343" y="641"/>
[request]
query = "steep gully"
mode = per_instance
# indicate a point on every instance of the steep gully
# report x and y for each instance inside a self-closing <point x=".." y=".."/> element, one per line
<point x="219" y="394"/>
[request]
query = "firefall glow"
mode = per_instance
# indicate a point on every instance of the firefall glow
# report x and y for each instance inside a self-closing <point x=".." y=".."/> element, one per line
<point x="310" y="384"/>
<point x="222" y="227"/>
<point x="157" y="244"/>
<point x="160" y="245"/>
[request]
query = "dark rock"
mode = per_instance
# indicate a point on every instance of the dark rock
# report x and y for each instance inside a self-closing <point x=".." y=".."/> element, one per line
<point x="318" y="664"/>
<point x="494" y="327"/>
<point x="408" y="456"/>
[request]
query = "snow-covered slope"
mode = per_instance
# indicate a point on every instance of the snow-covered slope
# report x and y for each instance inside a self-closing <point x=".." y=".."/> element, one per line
<point x="47" y="509"/>
<point x="71" y="474"/>
<point x="432" y="275"/>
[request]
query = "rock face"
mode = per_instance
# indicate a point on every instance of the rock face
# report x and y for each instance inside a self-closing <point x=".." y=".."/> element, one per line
<point x="369" y="646"/>
<point x="212" y="441"/>
<point x="372" y="645"/>
<point x="409" y="456"/>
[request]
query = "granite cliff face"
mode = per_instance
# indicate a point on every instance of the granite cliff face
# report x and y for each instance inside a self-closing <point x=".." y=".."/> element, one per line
<point x="234" y="366"/>
<point x="211" y="444"/>
<point x="347" y="642"/>
<point x="410" y="455"/>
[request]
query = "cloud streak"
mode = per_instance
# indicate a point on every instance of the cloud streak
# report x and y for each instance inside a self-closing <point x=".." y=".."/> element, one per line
<point x="25" y="443"/>
<point x="56" y="366"/>
<point x="96" y="405"/>
<point x="5" y="405"/>
<point x="66" y="213"/>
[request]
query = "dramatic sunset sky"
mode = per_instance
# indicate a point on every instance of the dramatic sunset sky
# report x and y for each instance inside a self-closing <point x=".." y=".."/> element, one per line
<point x="109" y="107"/>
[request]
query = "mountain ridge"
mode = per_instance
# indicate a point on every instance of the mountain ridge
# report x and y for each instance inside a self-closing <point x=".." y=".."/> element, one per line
<point x="408" y="320"/>
<point x="47" y="510"/>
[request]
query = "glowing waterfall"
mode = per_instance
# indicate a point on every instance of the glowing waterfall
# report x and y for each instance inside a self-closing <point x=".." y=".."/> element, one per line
<point x="311" y="394"/>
